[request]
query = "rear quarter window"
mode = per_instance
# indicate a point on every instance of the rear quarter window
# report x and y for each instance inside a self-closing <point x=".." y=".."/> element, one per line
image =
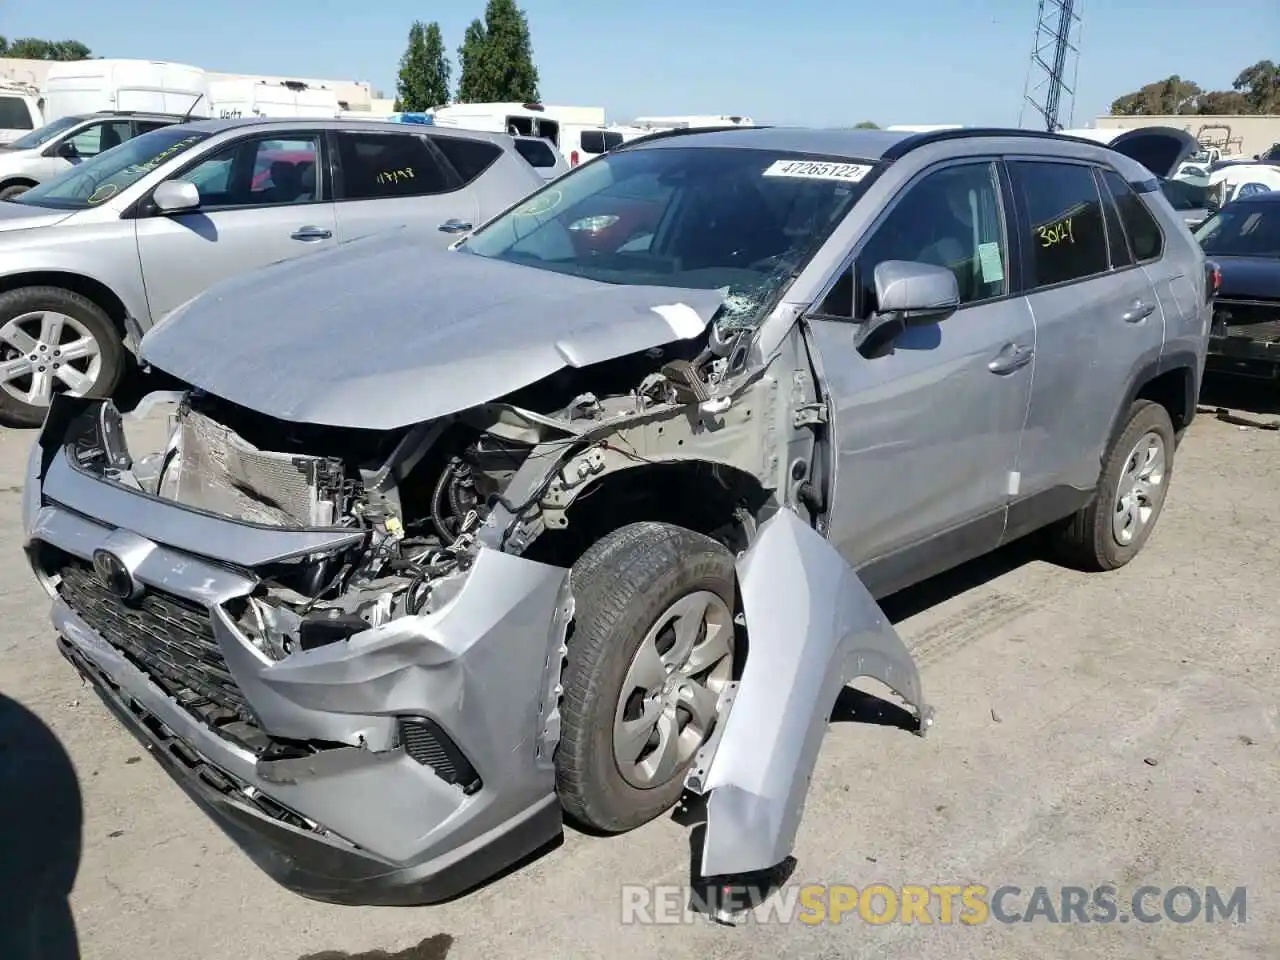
<point x="1145" y="237"/>
<point x="468" y="157"/>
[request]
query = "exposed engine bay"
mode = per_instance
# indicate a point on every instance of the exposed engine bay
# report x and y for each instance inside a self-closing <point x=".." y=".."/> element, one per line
<point x="427" y="495"/>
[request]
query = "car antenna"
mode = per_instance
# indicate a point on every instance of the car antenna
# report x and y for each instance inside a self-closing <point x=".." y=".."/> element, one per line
<point x="187" y="116"/>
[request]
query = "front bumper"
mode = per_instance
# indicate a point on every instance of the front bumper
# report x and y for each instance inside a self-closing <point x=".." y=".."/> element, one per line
<point x="315" y="779"/>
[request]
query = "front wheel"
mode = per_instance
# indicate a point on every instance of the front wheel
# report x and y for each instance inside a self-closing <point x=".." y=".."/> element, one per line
<point x="53" y="341"/>
<point x="8" y="193"/>
<point x="1110" y="531"/>
<point x="652" y="649"/>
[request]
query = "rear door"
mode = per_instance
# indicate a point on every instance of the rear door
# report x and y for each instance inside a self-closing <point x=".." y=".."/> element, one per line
<point x="387" y="180"/>
<point x="263" y="199"/>
<point x="1096" y="317"/>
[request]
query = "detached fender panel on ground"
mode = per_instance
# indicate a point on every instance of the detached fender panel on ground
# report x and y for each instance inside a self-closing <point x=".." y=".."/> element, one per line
<point x="812" y="628"/>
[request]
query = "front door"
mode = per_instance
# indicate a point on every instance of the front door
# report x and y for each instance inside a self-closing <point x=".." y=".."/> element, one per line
<point x="390" y="180"/>
<point x="927" y="434"/>
<point x="263" y="199"/>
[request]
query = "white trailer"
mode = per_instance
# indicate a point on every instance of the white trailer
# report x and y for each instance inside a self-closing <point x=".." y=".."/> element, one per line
<point x="233" y="99"/>
<point x="140" y="86"/>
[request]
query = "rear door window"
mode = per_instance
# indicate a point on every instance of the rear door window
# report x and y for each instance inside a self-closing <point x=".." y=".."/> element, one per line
<point x="14" y="114"/>
<point x="1067" y="238"/>
<point x="1144" y="233"/>
<point x="380" y="166"/>
<point x="467" y="156"/>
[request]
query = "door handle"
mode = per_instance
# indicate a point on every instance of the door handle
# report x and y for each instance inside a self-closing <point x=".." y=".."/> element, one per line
<point x="1012" y="357"/>
<point x="455" y="226"/>
<point x="310" y="234"/>
<point x="1138" y="312"/>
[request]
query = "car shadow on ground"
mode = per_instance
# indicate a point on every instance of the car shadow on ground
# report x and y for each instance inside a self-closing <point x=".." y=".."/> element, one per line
<point x="40" y="841"/>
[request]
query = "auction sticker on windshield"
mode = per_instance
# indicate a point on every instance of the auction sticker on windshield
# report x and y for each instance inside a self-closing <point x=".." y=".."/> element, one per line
<point x="818" y="170"/>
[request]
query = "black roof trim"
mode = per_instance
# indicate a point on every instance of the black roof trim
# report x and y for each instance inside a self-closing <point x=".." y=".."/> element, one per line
<point x="679" y="132"/>
<point x="917" y="140"/>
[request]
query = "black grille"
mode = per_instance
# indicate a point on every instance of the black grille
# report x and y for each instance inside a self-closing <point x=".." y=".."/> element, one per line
<point x="430" y="746"/>
<point x="168" y="637"/>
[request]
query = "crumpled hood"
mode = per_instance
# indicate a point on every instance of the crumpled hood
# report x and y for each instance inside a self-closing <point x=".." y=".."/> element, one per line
<point x="1249" y="278"/>
<point x="385" y="331"/>
<point x="20" y="216"/>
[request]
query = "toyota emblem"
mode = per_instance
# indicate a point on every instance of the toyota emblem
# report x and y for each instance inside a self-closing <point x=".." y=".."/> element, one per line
<point x="115" y="575"/>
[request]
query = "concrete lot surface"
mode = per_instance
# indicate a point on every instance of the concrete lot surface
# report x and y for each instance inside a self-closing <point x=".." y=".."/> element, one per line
<point x="1091" y="729"/>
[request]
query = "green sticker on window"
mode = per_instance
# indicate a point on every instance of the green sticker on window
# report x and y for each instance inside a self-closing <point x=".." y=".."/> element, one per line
<point x="992" y="265"/>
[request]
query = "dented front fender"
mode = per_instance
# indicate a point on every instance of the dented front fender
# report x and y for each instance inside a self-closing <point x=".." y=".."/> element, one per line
<point x="812" y="627"/>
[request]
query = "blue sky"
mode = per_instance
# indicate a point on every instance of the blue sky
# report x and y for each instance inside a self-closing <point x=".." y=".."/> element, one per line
<point x="800" y="61"/>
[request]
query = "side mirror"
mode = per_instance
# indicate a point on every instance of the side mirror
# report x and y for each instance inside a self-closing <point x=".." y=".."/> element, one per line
<point x="908" y="294"/>
<point x="176" y="196"/>
<point x="67" y="150"/>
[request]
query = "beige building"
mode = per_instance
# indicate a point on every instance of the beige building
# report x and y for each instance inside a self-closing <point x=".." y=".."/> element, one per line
<point x="1249" y="135"/>
<point x="357" y="95"/>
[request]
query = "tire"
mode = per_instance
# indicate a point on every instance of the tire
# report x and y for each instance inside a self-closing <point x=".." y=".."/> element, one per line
<point x="1089" y="539"/>
<point x="623" y="586"/>
<point x="8" y="193"/>
<point x="83" y="319"/>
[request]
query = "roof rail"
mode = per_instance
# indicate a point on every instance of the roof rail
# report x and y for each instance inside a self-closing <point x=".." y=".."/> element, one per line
<point x="681" y="132"/>
<point x="917" y="140"/>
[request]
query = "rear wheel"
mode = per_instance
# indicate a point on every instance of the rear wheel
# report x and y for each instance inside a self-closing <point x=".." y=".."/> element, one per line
<point x="652" y="648"/>
<point x="1131" y="491"/>
<point x="53" y="341"/>
<point x="8" y="193"/>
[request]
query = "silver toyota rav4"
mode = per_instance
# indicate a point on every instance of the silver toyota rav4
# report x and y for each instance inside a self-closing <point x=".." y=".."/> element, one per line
<point x="593" y="507"/>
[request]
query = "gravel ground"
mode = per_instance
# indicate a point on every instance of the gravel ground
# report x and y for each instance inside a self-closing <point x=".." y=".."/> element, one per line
<point x="1091" y="729"/>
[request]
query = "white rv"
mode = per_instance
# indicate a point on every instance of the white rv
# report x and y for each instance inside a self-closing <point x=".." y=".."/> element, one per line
<point x="138" y="86"/>
<point x="233" y="99"/>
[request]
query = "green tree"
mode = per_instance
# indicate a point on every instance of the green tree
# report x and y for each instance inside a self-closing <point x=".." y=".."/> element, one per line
<point x="423" y="82"/>
<point x="1260" y="85"/>
<point x="1255" y="91"/>
<point x="32" y="48"/>
<point x="496" y="57"/>
<point x="866" y="125"/>
<point x="471" y="83"/>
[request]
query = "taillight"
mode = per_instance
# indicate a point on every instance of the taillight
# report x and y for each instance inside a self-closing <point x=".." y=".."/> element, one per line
<point x="573" y="158"/>
<point x="1212" y="280"/>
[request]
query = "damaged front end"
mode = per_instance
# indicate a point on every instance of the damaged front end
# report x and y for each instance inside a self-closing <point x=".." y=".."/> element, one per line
<point x="346" y="643"/>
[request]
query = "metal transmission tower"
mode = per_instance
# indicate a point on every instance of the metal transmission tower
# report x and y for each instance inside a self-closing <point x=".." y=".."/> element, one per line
<point x="1055" y="59"/>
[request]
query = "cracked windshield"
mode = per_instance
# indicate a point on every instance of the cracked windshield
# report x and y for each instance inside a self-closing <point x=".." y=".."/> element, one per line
<point x="743" y="221"/>
<point x="96" y="181"/>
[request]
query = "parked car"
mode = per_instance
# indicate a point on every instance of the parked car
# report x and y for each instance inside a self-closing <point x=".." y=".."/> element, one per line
<point x="63" y="144"/>
<point x="1193" y="203"/>
<point x="542" y="155"/>
<point x="91" y="259"/>
<point x="1244" y="240"/>
<point x="448" y="544"/>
